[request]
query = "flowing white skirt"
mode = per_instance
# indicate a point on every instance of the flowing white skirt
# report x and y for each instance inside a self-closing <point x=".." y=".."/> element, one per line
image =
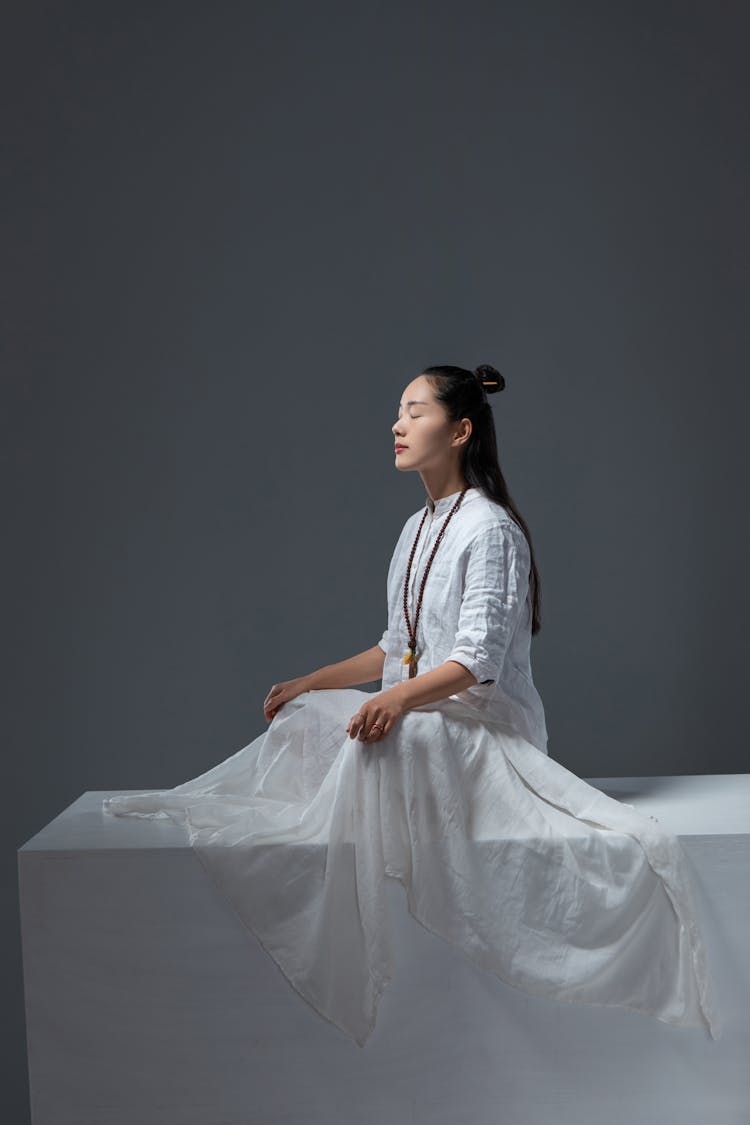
<point x="537" y="876"/>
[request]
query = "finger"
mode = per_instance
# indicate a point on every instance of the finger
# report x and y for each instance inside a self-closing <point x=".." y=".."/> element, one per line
<point x="355" y="724"/>
<point x="370" y="721"/>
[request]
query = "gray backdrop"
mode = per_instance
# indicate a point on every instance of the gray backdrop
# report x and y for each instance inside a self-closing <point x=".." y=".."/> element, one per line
<point x="233" y="234"/>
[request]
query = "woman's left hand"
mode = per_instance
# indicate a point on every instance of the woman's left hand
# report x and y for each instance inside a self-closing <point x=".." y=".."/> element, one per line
<point x="377" y="716"/>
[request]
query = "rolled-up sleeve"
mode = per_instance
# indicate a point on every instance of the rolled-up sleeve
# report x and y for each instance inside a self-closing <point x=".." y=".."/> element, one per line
<point x="383" y="642"/>
<point x="495" y="589"/>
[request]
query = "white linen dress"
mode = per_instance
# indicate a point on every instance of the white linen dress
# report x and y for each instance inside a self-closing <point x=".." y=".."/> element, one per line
<point x="537" y="876"/>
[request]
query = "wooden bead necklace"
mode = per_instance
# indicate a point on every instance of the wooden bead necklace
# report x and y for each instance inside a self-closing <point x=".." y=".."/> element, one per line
<point x="411" y="656"/>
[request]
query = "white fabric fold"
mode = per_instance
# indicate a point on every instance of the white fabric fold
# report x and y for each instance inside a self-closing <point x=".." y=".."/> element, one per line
<point x="538" y="877"/>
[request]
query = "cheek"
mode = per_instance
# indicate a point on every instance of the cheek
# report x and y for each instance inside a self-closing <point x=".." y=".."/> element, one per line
<point x="432" y="438"/>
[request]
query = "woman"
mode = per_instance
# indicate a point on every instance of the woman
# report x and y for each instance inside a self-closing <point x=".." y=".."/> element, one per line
<point x="442" y="779"/>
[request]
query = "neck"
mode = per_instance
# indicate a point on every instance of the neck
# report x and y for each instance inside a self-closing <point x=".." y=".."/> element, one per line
<point x="443" y="482"/>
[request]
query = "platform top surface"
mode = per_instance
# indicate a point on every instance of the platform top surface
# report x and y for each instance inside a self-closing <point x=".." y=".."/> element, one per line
<point x="685" y="804"/>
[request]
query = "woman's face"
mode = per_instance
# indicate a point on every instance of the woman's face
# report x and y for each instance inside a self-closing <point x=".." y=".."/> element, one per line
<point x="422" y="429"/>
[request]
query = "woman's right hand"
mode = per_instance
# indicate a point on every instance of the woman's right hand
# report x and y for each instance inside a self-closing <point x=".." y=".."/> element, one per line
<point x="281" y="693"/>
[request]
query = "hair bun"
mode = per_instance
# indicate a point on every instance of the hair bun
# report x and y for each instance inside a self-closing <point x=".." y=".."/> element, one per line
<point x="491" y="380"/>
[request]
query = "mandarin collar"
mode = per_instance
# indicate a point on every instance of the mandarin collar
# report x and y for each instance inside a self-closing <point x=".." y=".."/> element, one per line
<point x="445" y="503"/>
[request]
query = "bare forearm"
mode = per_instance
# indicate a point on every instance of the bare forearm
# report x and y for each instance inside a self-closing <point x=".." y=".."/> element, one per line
<point x="427" y="687"/>
<point x="360" y="669"/>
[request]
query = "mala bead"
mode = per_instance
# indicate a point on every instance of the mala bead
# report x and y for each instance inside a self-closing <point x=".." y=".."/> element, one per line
<point x="411" y="656"/>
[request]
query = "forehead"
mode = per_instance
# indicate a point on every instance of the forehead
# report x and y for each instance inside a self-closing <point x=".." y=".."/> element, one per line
<point x="418" y="391"/>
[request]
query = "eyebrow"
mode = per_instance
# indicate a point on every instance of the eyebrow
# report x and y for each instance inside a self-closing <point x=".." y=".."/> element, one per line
<point x="421" y="402"/>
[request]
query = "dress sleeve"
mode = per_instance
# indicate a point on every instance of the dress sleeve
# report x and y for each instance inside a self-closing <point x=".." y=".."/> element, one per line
<point x="383" y="642"/>
<point x="495" y="589"/>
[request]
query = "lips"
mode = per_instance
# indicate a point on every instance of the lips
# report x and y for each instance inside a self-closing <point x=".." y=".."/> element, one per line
<point x="397" y="447"/>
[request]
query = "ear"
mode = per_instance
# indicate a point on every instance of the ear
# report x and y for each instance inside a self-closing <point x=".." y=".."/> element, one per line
<point x="463" y="433"/>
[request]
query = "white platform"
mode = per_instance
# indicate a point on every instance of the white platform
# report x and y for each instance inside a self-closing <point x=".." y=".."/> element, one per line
<point x="149" y="1003"/>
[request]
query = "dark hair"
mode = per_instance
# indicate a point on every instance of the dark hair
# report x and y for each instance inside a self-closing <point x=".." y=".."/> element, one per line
<point x="463" y="394"/>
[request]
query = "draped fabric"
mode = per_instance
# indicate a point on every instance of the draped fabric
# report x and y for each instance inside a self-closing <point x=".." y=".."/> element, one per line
<point x="538" y="877"/>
